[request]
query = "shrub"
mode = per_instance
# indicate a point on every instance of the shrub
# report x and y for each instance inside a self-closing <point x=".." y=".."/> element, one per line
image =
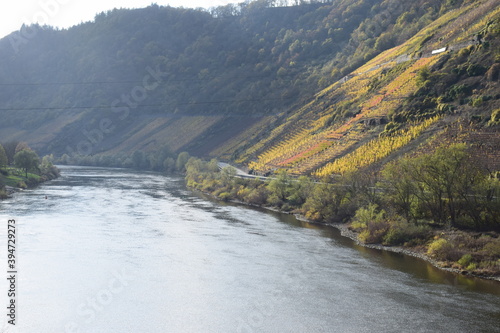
<point x="438" y="248"/>
<point x="465" y="260"/>
<point x="390" y="128"/>
<point x="257" y="196"/>
<point x="471" y="267"/>
<point x="495" y="117"/>
<point x="243" y="193"/>
<point x="208" y="185"/>
<point x="489" y="266"/>
<point x="225" y="196"/>
<point x="492" y="249"/>
<point x="374" y="233"/>
<point x="475" y="70"/>
<point x="219" y="191"/>
<point x="294" y="199"/>
<point x="480" y="100"/>
<point x="313" y="216"/>
<point x="401" y="232"/>
<point x="274" y="200"/>
<point x="493" y="73"/>
<point x="465" y="52"/>
<point x="22" y="184"/>
<point x="373" y="224"/>
<point x="457" y="91"/>
<point x="445" y="108"/>
<point x="366" y="215"/>
<point x="32" y="181"/>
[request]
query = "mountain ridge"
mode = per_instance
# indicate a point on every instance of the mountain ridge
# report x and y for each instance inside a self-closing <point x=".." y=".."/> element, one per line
<point x="296" y="91"/>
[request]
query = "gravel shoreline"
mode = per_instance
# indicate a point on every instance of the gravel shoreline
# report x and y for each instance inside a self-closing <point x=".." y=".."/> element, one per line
<point x="11" y="190"/>
<point x="346" y="232"/>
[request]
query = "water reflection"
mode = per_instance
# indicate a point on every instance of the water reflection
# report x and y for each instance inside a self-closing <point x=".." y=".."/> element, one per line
<point x="417" y="267"/>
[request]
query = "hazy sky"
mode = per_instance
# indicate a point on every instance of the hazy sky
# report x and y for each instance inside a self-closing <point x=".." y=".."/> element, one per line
<point x="66" y="13"/>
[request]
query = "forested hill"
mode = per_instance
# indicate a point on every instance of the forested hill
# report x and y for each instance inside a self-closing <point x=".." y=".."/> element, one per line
<point x="268" y="86"/>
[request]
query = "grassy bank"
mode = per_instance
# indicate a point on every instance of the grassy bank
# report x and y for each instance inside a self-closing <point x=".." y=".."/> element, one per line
<point x="12" y="179"/>
<point x="21" y="167"/>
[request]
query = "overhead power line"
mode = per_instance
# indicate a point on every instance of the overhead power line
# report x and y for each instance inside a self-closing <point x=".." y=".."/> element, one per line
<point x="98" y="107"/>
<point x="20" y="84"/>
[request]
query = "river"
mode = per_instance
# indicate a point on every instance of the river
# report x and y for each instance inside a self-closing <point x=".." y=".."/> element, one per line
<point x="112" y="250"/>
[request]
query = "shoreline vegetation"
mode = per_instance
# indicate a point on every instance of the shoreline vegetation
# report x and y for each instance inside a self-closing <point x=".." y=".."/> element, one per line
<point x="454" y="224"/>
<point x="21" y="168"/>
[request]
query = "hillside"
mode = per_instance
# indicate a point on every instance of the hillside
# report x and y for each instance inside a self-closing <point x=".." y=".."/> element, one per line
<point x="442" y="84"/>
<point x="319" y="88"/>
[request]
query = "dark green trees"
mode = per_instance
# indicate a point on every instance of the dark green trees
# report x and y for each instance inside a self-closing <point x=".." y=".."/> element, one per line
<point x="446" y="187"/>
<point x="3" y="157"/>
<point x="26" y="160"/>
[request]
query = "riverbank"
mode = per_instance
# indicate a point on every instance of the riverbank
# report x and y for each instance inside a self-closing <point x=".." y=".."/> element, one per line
<point x="14" y="181"/>
<point x="347" y="231"/>
<point x="416" y="251"/>
<point x="373" y="217"/>
<point x="9" y="190"/>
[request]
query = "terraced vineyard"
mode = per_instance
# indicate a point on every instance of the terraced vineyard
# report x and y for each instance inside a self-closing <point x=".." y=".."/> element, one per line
<point x="374" y="150"/>
<point x="315" y="144"/>
<point x="338" y="131"/>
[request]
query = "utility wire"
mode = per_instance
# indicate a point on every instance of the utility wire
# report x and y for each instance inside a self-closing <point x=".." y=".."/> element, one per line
<point x="145" y="105"/>
<point x="17" y="84"/>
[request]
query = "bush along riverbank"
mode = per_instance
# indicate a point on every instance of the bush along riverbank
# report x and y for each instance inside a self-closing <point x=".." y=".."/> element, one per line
<point x="22" y="169"/>
<point x="440" y="207"/>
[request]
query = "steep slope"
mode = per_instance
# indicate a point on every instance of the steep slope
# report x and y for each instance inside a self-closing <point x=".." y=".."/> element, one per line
<point x="445" y="75"/>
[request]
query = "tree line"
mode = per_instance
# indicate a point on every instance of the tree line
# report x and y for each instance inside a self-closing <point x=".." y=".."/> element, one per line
<point x="162" y="160"/>
<point x="446" y="188"/>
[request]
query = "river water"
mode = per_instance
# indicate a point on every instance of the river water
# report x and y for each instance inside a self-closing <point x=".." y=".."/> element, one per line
<point x="113" y="250"/>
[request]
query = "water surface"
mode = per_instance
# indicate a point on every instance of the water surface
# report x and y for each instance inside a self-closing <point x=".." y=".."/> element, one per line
<point x="114" y="250"/>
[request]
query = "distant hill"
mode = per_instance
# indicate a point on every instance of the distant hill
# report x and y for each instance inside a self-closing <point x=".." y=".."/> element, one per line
<point x="316" y="88"/>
